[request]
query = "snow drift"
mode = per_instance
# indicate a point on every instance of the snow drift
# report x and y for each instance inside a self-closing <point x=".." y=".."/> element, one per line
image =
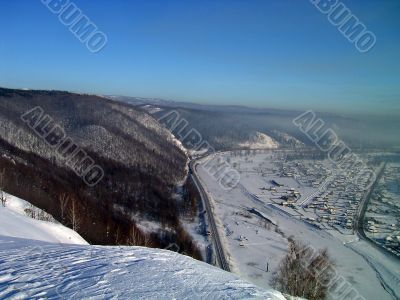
<point x="38" y="261"/>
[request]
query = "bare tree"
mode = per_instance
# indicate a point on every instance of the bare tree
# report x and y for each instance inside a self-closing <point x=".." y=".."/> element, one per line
<point x="3" y="196"/>
<point x="44" y="216"/>
<point x="137" y="238"/>
<point x="304" y="272"/>
<point x="147" y="241"/>
<point x="30" y="211"/>
<point x="134" y="238"/>
<point x="117" y="235"/>
<point x="63" y="200"/>
<point x="74" y="216"/>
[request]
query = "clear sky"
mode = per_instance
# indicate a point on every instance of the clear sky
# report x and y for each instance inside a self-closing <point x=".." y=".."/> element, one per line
<point x="263" y="53"/>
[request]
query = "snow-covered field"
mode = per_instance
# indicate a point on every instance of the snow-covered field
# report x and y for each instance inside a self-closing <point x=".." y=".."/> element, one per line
<point x="42" y="260"/>
<point x="255" y="231"/>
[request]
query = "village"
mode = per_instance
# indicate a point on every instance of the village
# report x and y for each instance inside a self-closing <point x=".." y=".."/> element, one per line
<point x="314" y="191"/>
<point x="382" y="219"/>
<point x="308" y="189"/>
<point x="284" y="194"/>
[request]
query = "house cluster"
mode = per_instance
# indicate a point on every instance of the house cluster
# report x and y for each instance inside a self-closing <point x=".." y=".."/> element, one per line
<point x="338" y="205"/>
<point x="382" y="220"/>
<point x="386" y="234"/>
<point x="337" y="200"/>
<point x="393" y="242"/>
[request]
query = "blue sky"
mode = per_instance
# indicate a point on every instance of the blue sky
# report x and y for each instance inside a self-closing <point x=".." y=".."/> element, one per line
<point x="262" y="53"/>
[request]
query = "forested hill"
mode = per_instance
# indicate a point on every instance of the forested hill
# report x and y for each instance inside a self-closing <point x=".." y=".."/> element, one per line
<point x="140" y="160"/>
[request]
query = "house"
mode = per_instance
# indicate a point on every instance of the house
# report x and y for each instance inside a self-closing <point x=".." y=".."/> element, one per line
<point x="349" y="224"/>
<point x="276" y="183"/>
<point x="391" y="241"/>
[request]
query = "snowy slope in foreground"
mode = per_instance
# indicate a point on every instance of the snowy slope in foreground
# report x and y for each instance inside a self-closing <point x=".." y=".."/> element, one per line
<point x="39" y="261"/>
<point x="14" y="223"/>
<point x="38" y="270"/>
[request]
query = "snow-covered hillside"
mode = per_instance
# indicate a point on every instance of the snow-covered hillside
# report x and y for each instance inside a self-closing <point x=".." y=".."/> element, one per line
<point x="260" y="141"/>
<point x="37" y="263"/>
<point x="14" y="223"/>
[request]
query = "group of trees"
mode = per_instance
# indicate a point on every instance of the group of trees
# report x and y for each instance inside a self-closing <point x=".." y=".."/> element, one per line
<point x="35" y="213"/>
<point x="190" y="205"/>
<point x="70" y="211"/>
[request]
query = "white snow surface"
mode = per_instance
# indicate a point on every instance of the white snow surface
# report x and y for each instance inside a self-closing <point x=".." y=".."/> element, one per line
<point x="35" y="270"/>
<point x="42" y="260"/>
<point x="14" y="223"/>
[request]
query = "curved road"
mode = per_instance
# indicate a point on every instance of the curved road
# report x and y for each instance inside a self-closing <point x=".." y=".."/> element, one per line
<point x="359" y="226"/>
<point x="218" y="248"/>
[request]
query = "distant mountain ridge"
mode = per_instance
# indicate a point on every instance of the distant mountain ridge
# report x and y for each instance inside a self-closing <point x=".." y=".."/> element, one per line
<point x="227" y="126"/>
